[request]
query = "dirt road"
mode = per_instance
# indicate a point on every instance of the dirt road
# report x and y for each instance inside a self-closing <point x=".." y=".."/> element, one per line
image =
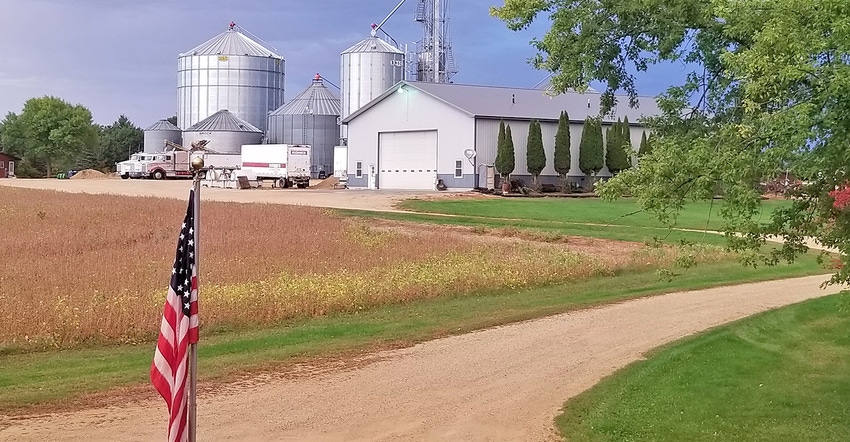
<point x="505" y="383"/>
<point x="382" y="200"/>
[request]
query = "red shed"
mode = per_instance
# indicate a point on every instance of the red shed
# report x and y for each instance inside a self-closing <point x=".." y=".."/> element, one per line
<point x="7" y="165"/>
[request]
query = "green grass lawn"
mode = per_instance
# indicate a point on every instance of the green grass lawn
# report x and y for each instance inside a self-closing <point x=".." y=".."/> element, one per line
<point x="783" y="375"/>
<point x="646" y="234"/>
<point x="58" y="377"/>
<point x="623" y="212"/>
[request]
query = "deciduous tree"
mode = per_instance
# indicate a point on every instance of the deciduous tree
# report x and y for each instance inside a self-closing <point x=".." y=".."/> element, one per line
<point x="769" y="91"/>
<point x="49" y="130"/>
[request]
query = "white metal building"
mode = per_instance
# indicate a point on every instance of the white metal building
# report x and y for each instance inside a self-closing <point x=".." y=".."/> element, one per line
<point x="417" y="133"/>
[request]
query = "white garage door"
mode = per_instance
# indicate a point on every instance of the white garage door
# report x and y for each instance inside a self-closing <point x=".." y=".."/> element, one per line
<point x="407" y="160"/>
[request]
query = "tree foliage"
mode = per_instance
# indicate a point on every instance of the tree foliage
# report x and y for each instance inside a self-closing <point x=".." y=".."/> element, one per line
<point x="118" y="141"/>
<point x="769" y="92"/>
<point x="591" y="156"/>
<point x="48" y="133"/>
<point x="500" y="150"/>
<point x="506" y="159"/>
<point x="562" y="149"/>
<point x="535" y="155"/>
<point x="645" y="148"/>
<point x="618" y="148"/>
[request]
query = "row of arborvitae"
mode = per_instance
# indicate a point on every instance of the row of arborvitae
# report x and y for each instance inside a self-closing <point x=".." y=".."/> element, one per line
<point x="592" y="149"/>
<point x="594" y="153"/>
<point x="535" y="153"/>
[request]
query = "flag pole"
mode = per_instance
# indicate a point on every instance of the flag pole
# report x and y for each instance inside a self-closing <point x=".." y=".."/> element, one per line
<point x="198" y="166"/>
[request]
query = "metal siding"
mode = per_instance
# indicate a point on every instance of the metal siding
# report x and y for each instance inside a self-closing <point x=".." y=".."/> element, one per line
<point x="154" y="140"/>
<point x="367" y="69"/>
<point x="486" y="141"/>
<point x="319" y="131"/>
<point x="467" y="181"/>
<point x="248" y="86"/>
<point x="224" y="142"/>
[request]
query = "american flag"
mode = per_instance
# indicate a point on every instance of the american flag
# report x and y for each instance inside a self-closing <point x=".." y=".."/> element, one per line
<point x="179" y="328"/>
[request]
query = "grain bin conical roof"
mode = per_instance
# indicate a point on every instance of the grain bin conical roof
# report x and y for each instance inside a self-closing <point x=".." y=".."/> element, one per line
<point x="372" y="44"/>
<point x="223" y="121"/>
<point x="315" y="100"/>
<point x="232" y="42"/>
<point x="162" y="125"/>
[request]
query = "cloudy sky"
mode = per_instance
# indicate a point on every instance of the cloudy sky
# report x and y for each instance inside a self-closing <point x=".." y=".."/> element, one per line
<point x="120" y="56"/>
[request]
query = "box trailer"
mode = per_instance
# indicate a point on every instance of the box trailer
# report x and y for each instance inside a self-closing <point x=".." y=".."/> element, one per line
<point x="287" y="164"/>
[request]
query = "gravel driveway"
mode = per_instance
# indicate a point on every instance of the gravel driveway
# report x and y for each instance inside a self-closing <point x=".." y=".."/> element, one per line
<point x="380" y="200"/>
<point x="501" y="384"/>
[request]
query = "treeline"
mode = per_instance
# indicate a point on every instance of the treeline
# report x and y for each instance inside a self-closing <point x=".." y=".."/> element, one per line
<point x="51" y="135"/>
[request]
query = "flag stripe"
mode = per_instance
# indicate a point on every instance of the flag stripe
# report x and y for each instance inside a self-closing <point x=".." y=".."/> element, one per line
<point x="178" y="329"/>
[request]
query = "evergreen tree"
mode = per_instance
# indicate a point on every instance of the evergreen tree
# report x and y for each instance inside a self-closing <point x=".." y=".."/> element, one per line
<point x="562" y="149"/>
<point x="591" y="152"/>
<point x="628" y="147"/>
<point x="617" y="158"/>
<point x="534" y="154"/>
<point x="644" y="145"/>
<point x="509" y="160"/>
<point x="500" y="151"/>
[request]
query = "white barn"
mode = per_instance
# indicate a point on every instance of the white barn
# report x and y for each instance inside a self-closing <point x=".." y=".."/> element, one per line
<point x="417" y="133"/>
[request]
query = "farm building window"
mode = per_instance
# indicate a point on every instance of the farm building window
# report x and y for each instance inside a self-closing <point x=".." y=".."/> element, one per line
<point x="2" y="165"/>
<point x="458" y="169"/>
<point x="358" y="172"/>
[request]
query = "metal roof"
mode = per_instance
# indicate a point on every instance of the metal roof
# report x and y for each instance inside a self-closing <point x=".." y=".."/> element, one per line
<point x="372" y="44"/>
<point x="232" y="42"/>
<point x="223" y="121"/>
<point x="546" y="85"/>
<point x="315" y="100"/>
<point x="162" y="125"/>
<point x="520" y="104"/>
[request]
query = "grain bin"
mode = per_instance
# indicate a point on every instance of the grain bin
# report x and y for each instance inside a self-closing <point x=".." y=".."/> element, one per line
<point x="368" y="69"/>
<point x="225" y="132"/>
<point x="310" y="118"/>
<point x="230" y="71"/>
<point x="157" y="133"/>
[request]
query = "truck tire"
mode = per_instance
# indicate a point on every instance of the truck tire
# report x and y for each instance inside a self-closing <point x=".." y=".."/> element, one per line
<point x="125" y="176"/>
<point x="302" y="185"/>
<point x="158" y="174"/>
<point x="287" y="184"/>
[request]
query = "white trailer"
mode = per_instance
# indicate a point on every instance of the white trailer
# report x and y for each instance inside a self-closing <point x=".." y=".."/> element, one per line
<point x="287" y="164"/>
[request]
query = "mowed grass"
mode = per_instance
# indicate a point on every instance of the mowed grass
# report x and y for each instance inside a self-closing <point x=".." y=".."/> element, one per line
<point x="696" y="215"/>
<point x="579" y="216"/>
<point x="67" y="378"/>
<point x="779" y="376"/>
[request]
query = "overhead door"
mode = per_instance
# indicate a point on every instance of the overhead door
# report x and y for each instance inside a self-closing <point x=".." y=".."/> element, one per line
<point x="407" y="160"/>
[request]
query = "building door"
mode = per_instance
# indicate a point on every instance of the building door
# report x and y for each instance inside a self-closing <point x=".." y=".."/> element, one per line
<point x="407" y="160"/>
<point x="11" y="171"/>
<point x="371" y="177"/>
